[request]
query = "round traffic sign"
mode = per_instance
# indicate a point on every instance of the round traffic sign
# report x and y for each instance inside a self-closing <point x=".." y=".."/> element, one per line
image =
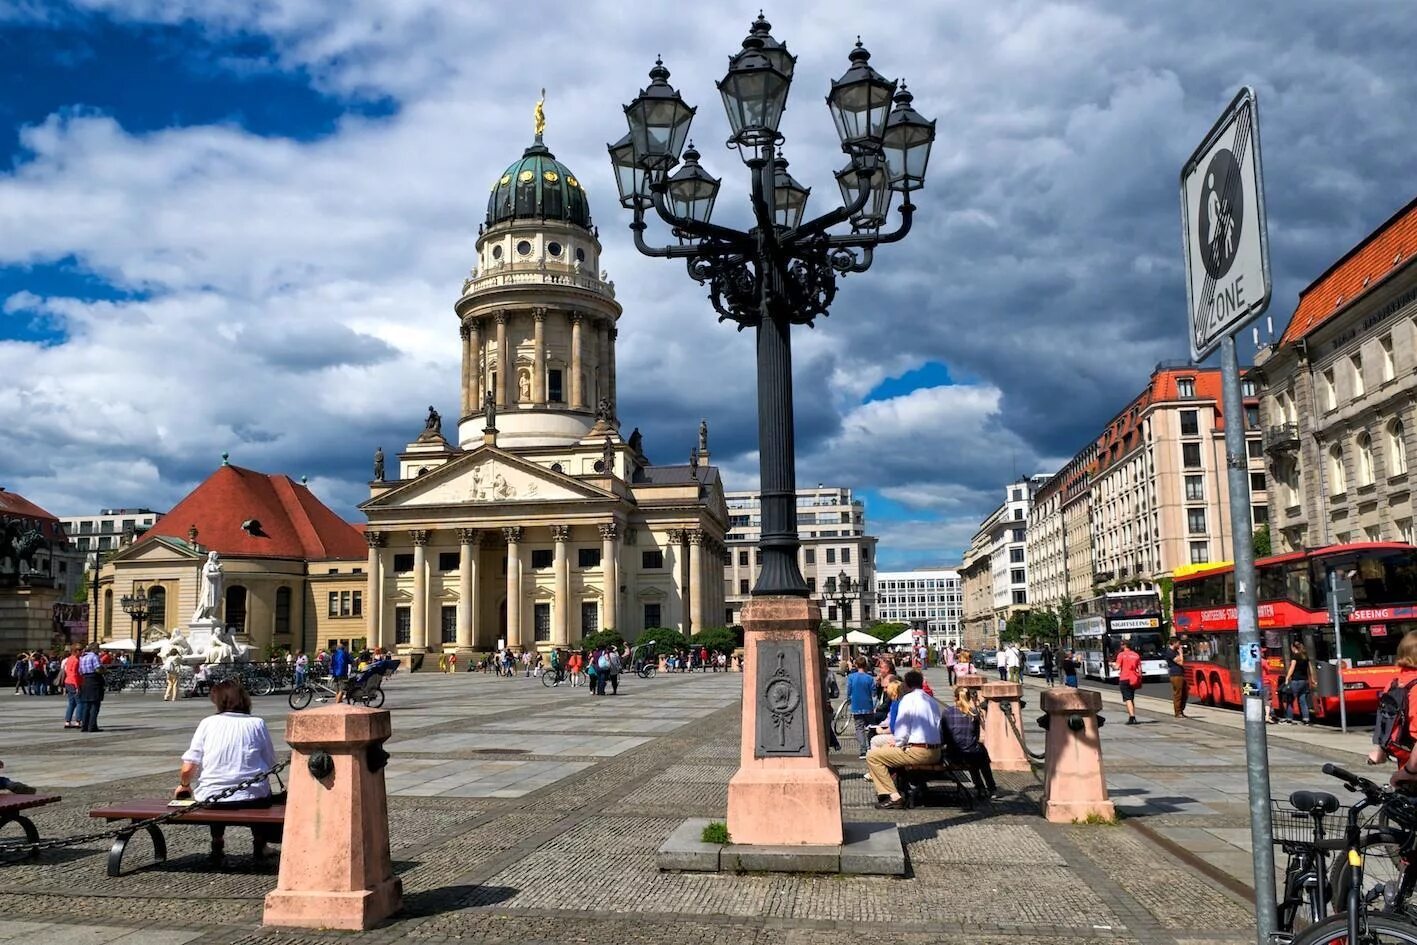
<point x="1222" y="212"/>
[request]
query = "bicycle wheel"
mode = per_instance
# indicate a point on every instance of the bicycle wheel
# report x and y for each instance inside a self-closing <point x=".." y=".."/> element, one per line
<point x="647" y="672"/>
<point x="300" y="697"/>
<point x="262" y="685"/>
<point x="841" y="720"/>
<point x="374" y="699"/>
<point x="548" y="679"/>
<point x="1381" y="928"/>
<point x="1382" y="865"/>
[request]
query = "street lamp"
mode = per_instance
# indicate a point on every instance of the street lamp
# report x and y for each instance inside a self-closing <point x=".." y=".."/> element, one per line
<point x="782" y="271"/>
<point x="135" y="605"/>
<point x="841" y="595"/>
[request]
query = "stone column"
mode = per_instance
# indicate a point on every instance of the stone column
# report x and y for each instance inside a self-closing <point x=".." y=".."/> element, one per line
<point x="418" y="618"/>
<point x="614" y="404"/>
<point x="610" y="574"/>
<point x="676" y="543"/>
<point x="513" y="537"/>
<point x="465" y="332"/>
<point x="472" y="375"/>
<point x="374" y="603"/>
<point x="577" y="394"/>
<point x="468" y="540"/>
<point x="504" y="366"/>
<point x="695" y="537"/>
<point x="560" y="615"/>
<point x="602" y="361"/>
<point x="538" y="366"/>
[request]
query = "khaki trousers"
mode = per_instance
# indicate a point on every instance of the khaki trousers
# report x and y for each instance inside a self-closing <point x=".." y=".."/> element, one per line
<point x="170" y="694"/>
<point x="880" y="761"/>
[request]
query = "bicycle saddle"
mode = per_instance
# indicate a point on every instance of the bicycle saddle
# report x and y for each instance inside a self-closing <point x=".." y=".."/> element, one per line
<point x="1308" y="801"/>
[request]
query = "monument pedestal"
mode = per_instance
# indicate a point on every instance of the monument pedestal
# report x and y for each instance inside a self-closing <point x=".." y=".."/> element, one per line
<point x="786" y="792"/>
<point x="335" y="867"/>
<point x="201" y="632"/>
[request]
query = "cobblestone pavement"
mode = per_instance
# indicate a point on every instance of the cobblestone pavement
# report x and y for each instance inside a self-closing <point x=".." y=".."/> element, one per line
<point x="521" y="814"/>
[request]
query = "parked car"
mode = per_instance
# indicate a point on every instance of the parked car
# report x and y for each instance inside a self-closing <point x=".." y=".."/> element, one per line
<point x="985" y="659"/>
<point x="1033" y="663"/>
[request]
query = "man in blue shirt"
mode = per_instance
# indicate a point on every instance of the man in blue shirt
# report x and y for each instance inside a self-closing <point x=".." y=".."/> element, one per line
<point x="859" y="687"/>
<point x="339" y="669"/>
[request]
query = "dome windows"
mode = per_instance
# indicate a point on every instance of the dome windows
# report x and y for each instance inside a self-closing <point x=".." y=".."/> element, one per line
<point x="553" y="248"/>
<point x="497" y="251"/>
<point x="524" y="248"/>
<point x="580" y="255"/>
<point x="538" y="187"/>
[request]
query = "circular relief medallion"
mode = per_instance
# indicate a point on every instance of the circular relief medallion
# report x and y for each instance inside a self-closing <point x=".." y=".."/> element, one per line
<point x="551" y="176"/>
<point x="506" y="179"/>
<point x="781" y="696"/>
<point x="572" y="181"/>
<point x="526" y="177"/>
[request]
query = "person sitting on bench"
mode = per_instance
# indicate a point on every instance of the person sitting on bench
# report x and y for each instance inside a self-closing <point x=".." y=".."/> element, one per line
<point x="962" y="745"/>
<point x="916" y="739"/>
<point x="13" y="786"/>
<point x="226" y="749"/>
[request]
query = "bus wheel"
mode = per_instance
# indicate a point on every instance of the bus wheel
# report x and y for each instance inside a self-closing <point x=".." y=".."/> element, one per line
<point x="1217" y="692"/>
<point x="1203" y="691"/>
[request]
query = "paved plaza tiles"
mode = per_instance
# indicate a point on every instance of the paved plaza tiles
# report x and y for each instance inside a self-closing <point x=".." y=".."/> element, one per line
<point x="526" y="814"/>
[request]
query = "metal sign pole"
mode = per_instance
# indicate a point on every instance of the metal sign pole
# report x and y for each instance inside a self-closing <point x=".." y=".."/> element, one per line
<point x="1247" y="610"/>
<point x="1338" y="647"/>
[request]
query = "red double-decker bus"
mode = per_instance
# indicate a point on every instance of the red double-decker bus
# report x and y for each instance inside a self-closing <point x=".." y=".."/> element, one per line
<point x="1293" y="606"/>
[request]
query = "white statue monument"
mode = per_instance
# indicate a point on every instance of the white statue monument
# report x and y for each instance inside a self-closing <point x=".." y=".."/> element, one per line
<point x="222" y="648"/>
<point x="209" y="592"/>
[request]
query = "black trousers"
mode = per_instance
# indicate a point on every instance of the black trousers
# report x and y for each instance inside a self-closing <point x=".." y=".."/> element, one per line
<point x="260" y="835"/>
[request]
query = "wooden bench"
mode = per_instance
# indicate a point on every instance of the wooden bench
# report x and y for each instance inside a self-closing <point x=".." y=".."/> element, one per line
<point x="148" y="808"/>
<point x="12" y="804"/>
<point x="914" y="780"/>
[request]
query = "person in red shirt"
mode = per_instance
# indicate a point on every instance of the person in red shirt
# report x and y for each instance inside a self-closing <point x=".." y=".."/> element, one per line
<point x="1129" y="678"/>
<point x="1406" y="774"/>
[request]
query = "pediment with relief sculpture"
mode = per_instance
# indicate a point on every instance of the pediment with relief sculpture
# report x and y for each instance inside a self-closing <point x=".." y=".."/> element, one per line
<point x="487" y="475"/>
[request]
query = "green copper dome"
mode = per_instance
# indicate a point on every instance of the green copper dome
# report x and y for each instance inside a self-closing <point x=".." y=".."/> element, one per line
<point x="538" y="187"/>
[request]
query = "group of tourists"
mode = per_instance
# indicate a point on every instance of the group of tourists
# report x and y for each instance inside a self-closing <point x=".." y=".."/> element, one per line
<point x="899" y="723"/>
<point x="38" y="673"/>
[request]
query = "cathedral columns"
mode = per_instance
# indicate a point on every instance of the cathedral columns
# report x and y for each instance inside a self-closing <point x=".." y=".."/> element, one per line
<point x="610" y="575"/>
<point x="374" y="606"/>
<point x="473" y="373"/>
<point x="577" y="393"/>
<point x="560" y="614"/>
<point x="602" y="361"/>
<point x="504" y="362"/>
<point x="614" y="404"/>
<point x="677" y="537"/>
<point x="696" y="578"/>
<point x="465" y="332"/>
<point x="538" y="365"/>
<point x="513" y="536"/>
<point x="418" y="619"/>
<point x="468" y="540"/>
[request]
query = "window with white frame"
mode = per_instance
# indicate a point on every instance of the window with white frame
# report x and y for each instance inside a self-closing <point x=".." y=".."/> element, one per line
<point x="1365" y="459"/>
<point x="1328" y="390"/>
<point x="1389" y="367"/>
<point x="1396" y="449"/>
<point x="1337" y="479"/>
<point x="1355" y="368"/>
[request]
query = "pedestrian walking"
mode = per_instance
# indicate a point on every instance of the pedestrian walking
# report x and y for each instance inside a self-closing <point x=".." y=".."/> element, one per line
<point x="860" y="685"/>
<point x="339" y="669"/>
<point x="616" y="664"/>
<point x="90" y="689"/>
<point x="1129" y="678"/>
<point x="1001" y="663"/>
<point x="948" y="658"/>
<point x="1070" y="669"/>
<point x="20" y="673"/>
<point x="302" y="667"/>
<point x="1176" y="672"/>
<point x="1014" y="662"/>
<point x="1298" y="680"/>
<point x="452" y="662"/>
<point x="1050" y="665"/>
<point x="172" y="668"/>
<point x="69" y="677"/>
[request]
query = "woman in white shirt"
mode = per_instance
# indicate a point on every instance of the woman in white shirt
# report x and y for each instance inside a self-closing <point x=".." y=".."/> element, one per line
<point x="228" y="748"/>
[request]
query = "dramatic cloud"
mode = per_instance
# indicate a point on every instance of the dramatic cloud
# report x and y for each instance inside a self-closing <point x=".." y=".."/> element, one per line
<point x="289" y="297"/>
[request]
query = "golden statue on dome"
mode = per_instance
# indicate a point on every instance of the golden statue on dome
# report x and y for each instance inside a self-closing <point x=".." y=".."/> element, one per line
<point x="539" y="115"/>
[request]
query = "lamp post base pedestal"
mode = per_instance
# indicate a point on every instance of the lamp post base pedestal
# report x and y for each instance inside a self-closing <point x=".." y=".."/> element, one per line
<point x="786" y="791"/>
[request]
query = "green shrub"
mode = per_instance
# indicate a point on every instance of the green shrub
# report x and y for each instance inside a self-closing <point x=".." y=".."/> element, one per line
<point x="663" y="640"/>
<point x="716" y="832"/>
<point x="603" y="638"/>
<point x="716" y="640"/>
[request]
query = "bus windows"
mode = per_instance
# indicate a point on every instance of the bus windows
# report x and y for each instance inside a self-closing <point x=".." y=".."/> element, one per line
<point x="1147" y="645"/>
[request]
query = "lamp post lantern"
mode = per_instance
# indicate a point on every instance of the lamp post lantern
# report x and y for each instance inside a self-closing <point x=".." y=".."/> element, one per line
<point x="840" y="594"/>
<point x="782" y="271"/>
<point x="135" y="605"/>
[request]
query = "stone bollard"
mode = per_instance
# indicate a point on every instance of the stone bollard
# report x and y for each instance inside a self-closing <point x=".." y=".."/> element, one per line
<point x="971" y="681"/>
<point x="1074" y="787"/>
<point x="335" y="867"/>
<point x="1005" y="750"/>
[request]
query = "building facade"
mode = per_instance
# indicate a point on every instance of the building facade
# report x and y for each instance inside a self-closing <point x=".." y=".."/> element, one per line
<point x="976" y="575"/>
<point x="832" y="528"/>
<point x="1339" y="398"/>
<point x="995" y="571"/>
<point x="109" y="530"/>
<point x="933" y="597"/>
<point x="538" y="523"/>
<point x="39" y="575"/>
<point x="292" y="568"/>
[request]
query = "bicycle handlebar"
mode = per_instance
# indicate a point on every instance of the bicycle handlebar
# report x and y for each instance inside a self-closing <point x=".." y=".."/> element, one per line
<point x="1355" y="782"/>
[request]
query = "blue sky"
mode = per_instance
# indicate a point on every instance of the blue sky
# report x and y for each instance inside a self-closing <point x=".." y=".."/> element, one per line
<point x="241" y="227"/>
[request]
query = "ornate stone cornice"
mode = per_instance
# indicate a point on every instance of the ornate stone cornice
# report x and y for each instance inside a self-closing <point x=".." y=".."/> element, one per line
<point x="469" y="536"/>
<point x="512" y="533"/>
<point x="608" y="530"/>
<point x="376" y="539"/>
<point x="419" y="536"/>
<point x="561" y="533"/>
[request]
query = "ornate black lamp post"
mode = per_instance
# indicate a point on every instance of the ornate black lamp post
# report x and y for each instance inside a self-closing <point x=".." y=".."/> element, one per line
<point x="841" y="595"/>
<point x="135" y="605"/>
<point x="781" y="272"/>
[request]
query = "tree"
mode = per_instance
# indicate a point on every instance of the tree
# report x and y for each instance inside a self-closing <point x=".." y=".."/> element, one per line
<point x="1016" y="629"/>
<point x="663" y="640"/>
<point x="605" y="638"/>
<point x="885" y="631"/>
<point x="1264" y="546"/>
<point x="1067" y="613"/>
<point x="716" y="640"/>
<point x="1042" y="627"/>
<point x="826" y="632"/>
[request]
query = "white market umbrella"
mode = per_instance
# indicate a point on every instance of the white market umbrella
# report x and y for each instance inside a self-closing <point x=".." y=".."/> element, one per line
<point x="124" y="645"/>
<point x="904" y="638"/>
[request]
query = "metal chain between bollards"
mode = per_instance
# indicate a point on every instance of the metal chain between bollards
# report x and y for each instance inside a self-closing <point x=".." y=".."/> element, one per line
<point x="9" y="848"/>
<point x="1035" y="758"/>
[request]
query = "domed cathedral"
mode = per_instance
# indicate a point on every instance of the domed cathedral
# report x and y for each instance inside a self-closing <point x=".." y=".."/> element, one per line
<point x="541" y="523"/>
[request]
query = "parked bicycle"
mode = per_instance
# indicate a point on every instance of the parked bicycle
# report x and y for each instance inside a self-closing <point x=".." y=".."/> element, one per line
<point x="1373" y="911"/>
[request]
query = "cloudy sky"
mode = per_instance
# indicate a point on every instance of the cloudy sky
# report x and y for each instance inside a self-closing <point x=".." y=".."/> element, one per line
<point x="240" y="225"/>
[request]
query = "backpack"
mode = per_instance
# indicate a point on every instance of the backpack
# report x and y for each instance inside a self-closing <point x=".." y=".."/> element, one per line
<point x="1391" y="726"/>
<point x="603" y="662"/>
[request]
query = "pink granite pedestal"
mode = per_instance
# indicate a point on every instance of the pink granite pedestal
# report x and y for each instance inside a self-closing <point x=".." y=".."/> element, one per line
<point x="335" y="867"/>
<point x="781" y="796"/>
<point x="1074" y="786"/>
<point x="1005" y="750"/>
